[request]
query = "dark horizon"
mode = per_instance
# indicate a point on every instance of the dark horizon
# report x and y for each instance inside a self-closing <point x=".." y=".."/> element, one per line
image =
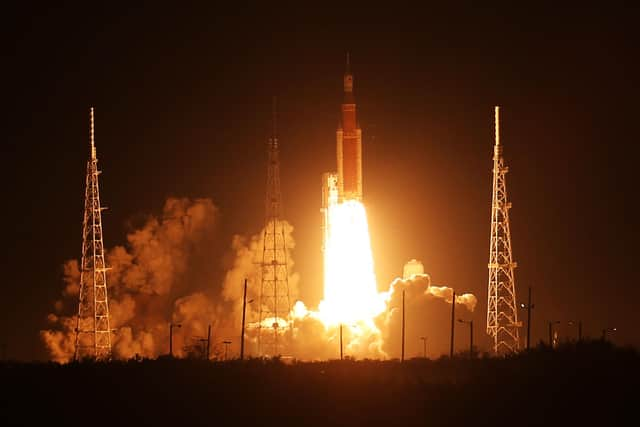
<point x="183" y="97"/>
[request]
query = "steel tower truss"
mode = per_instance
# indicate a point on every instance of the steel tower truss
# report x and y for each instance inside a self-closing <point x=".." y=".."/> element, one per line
<point x="93" y="333"/>
<point x="275" y="304"/>
<point x="502" y="314"/>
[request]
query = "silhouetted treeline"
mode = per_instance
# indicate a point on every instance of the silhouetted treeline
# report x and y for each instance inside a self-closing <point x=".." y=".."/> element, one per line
<point x="576" y="384"/>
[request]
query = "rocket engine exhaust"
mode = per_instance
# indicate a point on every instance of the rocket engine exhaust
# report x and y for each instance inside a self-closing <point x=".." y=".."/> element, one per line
<point x="351" y="298"/>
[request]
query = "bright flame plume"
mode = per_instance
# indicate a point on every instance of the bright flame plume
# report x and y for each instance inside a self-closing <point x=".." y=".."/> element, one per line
<point x="350" y="290"/>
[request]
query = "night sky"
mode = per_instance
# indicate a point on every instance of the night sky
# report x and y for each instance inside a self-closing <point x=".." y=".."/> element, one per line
<point x="183" y="97"/>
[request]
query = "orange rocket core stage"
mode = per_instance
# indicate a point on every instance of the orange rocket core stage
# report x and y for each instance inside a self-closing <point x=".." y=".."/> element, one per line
<point x="349" y="145"/>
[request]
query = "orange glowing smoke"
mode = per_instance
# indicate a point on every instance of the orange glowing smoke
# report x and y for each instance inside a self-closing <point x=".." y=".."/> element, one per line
<point x="162" y="276"/>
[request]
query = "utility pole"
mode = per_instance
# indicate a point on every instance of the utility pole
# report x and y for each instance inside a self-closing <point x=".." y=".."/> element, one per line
<point x="470" y="322"/>
<point x="171" y="326"/>
<point x="605" y="331"/>
<point x="244" y="309"/>
<point x="226" y="346"/>
<point x="340" y="341"/>
<point x="453" y="316"/>
<point x="551" y="343"/>
<point x="424" y="347"/>
<point x="579" y="324"/>
<point x="208" y="341"/>
<point x="402" y="356"/>
<point x="579" y="330"/>
<point x="470" y="339"/>
<point x="529" y="307"/>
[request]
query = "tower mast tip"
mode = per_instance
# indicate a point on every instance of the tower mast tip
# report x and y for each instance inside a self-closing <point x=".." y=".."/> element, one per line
<point x="93" y="145"/>
<point x="497" y="122"/>
<point x="274" y="122"/>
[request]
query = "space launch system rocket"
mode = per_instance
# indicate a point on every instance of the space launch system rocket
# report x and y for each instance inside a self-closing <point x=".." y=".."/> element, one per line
<point x="349" y="145"/>
<point x="346" y="183"/>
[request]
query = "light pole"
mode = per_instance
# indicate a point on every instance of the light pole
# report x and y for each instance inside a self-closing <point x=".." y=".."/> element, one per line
<point x="340" y="341"/>
<point x="208" y="341"/>
<point x="551" y="323"/>
<point x="226" y="346"/>
<point x="453" y="317"/>
<point x="171" y="326"/>
<point x="607" y="330"/>
<point x="528" y="306"/>
<point x="244" y="310"/>
<point x="402" y="354"/>
<point x="470" y="322"/>
<point x="579" y="323"/>
<point x="424" y="346"/>
<point x="579" y="330"/>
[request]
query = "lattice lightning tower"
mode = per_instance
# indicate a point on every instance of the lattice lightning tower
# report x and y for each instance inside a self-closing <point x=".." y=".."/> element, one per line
<point x="275" y="303"/>
<point x="93" y="333"/>
<point x="502" y="314"/>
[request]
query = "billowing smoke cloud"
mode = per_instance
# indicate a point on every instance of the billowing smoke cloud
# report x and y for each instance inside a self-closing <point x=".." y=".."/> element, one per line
<point x="314" y="340"/>
<point x="246" y="265"/>
<point x="446" y="293"/>
<point x="153" y="281"/>
<point x="163" y="274"/>
<point x="160" y="276"/>
<point x="427" y="313"/>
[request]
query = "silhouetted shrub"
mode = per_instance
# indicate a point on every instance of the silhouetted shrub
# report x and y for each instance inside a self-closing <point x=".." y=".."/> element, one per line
<point x="582" y="382"/>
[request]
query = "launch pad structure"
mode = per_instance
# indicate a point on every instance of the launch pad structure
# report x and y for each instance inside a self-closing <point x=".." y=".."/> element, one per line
<point x="502" y="312"/>
<point x="92" y="333"/>
<point x="274" y="327"/>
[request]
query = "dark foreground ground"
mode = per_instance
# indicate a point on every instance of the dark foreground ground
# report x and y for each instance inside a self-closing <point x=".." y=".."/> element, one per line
<point x="584" y="384"/>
